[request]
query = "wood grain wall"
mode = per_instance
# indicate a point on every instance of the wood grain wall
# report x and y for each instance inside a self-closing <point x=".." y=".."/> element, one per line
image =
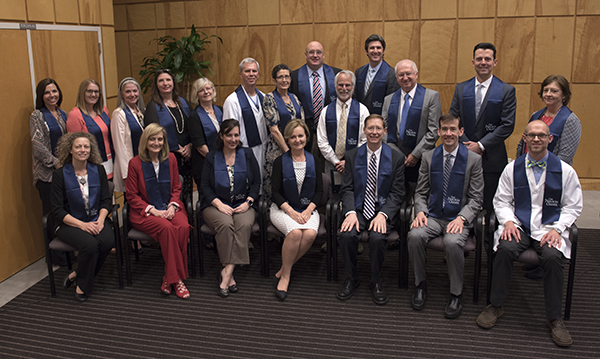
<point x="69" y="57"/>
<point x="535" y="38"/>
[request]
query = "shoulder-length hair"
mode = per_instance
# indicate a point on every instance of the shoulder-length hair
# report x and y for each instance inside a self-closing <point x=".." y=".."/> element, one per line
<point x="65" y="144"/>
<point x="140" y="102"/>
<point x="562" y="82"/>
<point x="291" y="126"/>
<point x="98" y="106"/>
<point x="153" y="129"/>
<point x="156" y="98"/>
<point x="41" y="89"/>
<point x="197" y="86"/>
<point x="226" y="127"/>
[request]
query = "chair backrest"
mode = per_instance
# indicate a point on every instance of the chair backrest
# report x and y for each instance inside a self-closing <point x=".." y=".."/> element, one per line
<point x="325" y="196"/>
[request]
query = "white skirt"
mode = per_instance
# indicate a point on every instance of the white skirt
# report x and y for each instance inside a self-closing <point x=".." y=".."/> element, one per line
<point x="285" y="224"/>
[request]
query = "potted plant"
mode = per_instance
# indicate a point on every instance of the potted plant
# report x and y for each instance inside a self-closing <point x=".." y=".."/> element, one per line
<point x="179" y="56"/>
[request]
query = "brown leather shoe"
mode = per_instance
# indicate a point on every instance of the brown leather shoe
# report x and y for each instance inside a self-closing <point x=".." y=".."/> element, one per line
<point x="487" y="319"/>
<point x="560" y="334"/>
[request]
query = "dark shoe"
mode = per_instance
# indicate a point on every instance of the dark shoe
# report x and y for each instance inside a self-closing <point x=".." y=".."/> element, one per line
<point x="281" y="294"/>
<point x="378" y="294"/>
<point x="222" y="292"/>
<point x="67" y="282"/>
<point x="392" y="246"/>
<point x="418" y="299"/>
<point x="347" y="289"/>
<point x="233" y="288"/>
<point x="360" y="248"/>
<point x="560" y="334"/>
<point x="276" y="281"/>
<point x="489" y="316"/>
<point x="454" y="307"/>
<point x="81" y="297"/>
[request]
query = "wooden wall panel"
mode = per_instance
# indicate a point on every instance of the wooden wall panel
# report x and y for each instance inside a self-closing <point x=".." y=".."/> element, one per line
<point x="232" y="12"/>
<point x="67" y="11"/>
<point x="170" y="15"/>
<point x="90" y="12"/>
<point x="211" y="55"/>
<point x="120" y="14"/>
<point x="588" y="7"/>
<point x="233" y="50"/>
<point x="553" y="35"/>
<point x="358" y="33"/>
<point x="141" y="17"/>
<point x="110" y="62"/>
<point x="334" y="38"/>
<point x="554" y="7"/>
<point x="21" y="242"/>
<point x="265" y="48"/>
<point x="438" y="9"/>
<point x="40" y="11"/>
<point x="438" y="51"/>
<point x="296" y="11"/>
<point x="106" y="13"/>
<point x="585" y="104"/>
<point x="523" y="93"/>
<point x="476" y="8"/>
<point x="263" y="12"/>
<point x="141" y="44"/>
<point x="587" y="49"/>
<point x="403" y="41"/>
<point x="200" y="13"/>
<point x="401" y="9"/>
<point x="13" y="10"/>
<point x="446" y="94"/>
<point x="514" y="44"/>
<point x="122" y="53"/>
<point x="360" y="10"/>
<point x="470" y="33"/>
<point x="330" y="11"/>
<point x="295" y="38"/>
<point x="516" y="7"/>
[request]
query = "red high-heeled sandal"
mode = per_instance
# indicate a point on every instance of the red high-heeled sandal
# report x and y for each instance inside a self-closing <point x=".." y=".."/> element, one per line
<point x="181" y="290"/>
<point x="165" y="287"/>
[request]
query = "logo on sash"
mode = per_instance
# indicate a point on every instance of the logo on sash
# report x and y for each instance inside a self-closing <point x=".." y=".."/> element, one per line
<point x="410" y="133"/>
<point x="377" y="104"/>
<point x="304" y="201"/>
<point x="238" y="197"/>
<point x="452" y="200"/>
<point x="551" y="202"/>
<point x="490" y="127"/>
<point x="382" y="200"/>
<point x="332" y="98"/>
<point x="352" y="141"/>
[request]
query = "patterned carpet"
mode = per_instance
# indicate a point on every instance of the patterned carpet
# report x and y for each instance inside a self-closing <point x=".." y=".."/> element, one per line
<point x="140" y="322"/>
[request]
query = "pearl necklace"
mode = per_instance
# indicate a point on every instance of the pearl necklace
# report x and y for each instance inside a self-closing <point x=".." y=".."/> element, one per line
<point x="175" y="120"/>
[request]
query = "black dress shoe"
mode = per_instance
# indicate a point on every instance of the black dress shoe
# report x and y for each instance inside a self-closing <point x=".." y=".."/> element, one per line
<point x="67" y="282"/>
<point x="454" y="307"/>
<point x="81" y="297"/>
<point x="280" y="294"/>
<point x="222" y="292"/>
<point x="347" y="289"/>
<point x="276" y="281"/>
<point x="233" y="288"/>
<point x="418" y="299"/>
<point x="378" y="294"/>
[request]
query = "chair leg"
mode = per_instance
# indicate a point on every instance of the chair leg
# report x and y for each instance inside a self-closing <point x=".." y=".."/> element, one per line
<point x="569" y="299"/>
<point x="127" y="258"/>
<point x="51" y="271"/>
<point x="199" y="243"/>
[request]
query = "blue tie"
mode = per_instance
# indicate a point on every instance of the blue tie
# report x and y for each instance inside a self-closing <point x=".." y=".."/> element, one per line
<point x="403" y="116"/>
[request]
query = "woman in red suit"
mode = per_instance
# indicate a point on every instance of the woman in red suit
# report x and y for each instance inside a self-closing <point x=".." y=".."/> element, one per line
<point x="153" y="191"/>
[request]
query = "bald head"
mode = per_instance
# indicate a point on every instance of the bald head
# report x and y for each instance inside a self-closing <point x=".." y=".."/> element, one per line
<point x="537" y="137"/>
<point x="537" y="124"/>
<point x="407" y="74"/>
<point x="315" y="55"/>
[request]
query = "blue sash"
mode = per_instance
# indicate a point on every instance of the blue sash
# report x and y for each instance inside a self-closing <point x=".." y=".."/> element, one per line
<point x="352" y="125"/>
<point x="454" y="194"/>
<point x="168" y="122"/>
<point x="55" y="130"/>
<point x="158" y="189"/>
<point x="284" y="113"/>
<point x="490" y="113"/>
<point x="298" y="201"/>
<point x="95" y="130"/>
<point x="306" y="94"/>
<point x="238" y="196"/>
<point x="75" y="197"/>
<point x="250" y="125"/>
<point x="557" y="125"/>
<point x="210" y="131"/>
<point x="384" y="177"/>
<point x="379" y="85"/>
<point x="136" y="130"/>
<point x="552" y="192"/>
<point x="413" y="119"/>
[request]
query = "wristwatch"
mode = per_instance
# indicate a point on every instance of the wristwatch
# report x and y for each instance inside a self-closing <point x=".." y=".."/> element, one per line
<point x="463" y="218"/>
<point x="250" y="202"/>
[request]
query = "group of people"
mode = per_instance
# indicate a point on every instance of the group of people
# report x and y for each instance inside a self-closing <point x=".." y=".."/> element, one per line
<point x="373" y="131"/>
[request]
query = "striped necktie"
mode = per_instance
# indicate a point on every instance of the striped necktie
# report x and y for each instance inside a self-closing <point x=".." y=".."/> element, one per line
<point x="369" y="203"/>
<point x="447" y="170"/>
<point x="478" y="99"/>
<point x="369" y="79"/>
<point x="317" y="98"/>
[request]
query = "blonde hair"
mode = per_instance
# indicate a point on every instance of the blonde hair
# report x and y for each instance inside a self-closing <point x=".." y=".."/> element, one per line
<point x="153" y="129"/>
<point x="200" y="84"/>
<point x="65" y="144"/>
<point x="291" y="126"/>
<point x="80" y="103"/>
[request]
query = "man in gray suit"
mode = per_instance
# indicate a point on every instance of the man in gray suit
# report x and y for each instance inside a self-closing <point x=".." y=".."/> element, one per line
<point x="487" y="107"/>
<point x="448" y="198"/>
<point x="412" y="114"/>
<point x="377" y="79"/>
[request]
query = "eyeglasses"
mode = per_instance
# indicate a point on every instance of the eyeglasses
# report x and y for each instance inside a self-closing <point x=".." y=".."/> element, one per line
<point x="532" y="136"/>
<point x="407" y="74"/>
<point x="92" y="92"/>
<point x="315" y="52"/>
<point x="283" y="77"/>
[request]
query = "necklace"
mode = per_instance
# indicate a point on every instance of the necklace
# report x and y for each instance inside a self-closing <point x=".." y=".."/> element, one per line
<point x="255" y="103"/>
<point x="175" y="120"/>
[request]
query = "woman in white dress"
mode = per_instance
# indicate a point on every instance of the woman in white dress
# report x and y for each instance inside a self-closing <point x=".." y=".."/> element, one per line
<point x="297" y="188"/>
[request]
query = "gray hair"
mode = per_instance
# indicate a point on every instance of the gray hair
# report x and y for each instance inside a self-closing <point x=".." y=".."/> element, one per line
<point x="414" y="66"/>
<point x="140" y="101"/>
<point x="347" y="73"/>
<point x="249" y="60"/>
<point x="200" y="84"/>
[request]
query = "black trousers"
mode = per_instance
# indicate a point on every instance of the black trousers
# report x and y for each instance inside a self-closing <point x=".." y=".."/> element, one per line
<point x="490" y="180"/>
<point x="551" y="261"/>
<point x="93" y="251"/>
<point x="348" y="242"/>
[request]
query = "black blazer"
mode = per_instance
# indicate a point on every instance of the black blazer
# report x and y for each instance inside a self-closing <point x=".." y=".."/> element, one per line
<point x="391" y="86"/>
<point x="294" y="89"/>
<point x="208" y="178"/>
<point x="277" y="182"/>
<point x="395" y="196"/>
